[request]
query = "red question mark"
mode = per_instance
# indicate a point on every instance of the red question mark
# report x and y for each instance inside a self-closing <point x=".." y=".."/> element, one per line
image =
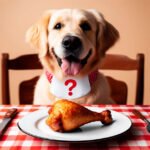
<point x="73" y="85"/>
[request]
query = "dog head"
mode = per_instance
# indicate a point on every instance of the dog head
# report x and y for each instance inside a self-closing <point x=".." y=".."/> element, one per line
<point x="72" y="41"/>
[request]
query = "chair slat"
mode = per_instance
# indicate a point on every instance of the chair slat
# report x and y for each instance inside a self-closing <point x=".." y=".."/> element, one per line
<point x="118" y="62"/>
<point x="140" y="80"/>
<point x="26" y="90"/>
<point x="5" y="80"/>
<point x="25" y="62"/>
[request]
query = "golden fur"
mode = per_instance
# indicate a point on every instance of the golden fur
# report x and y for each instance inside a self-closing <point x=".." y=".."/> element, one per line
<point x="47" y="40"/>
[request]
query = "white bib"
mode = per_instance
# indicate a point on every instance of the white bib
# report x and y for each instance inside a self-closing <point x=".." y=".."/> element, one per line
<point x="70" y="87"/>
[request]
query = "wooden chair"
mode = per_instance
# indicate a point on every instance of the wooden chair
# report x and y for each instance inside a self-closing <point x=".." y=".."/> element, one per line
<point x="123" y="63"/>
<point x="111" y="61"/>
<point x="26" y="88"/>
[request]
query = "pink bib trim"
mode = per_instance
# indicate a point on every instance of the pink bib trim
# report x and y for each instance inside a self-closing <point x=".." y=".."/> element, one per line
<point x="92" y="76"/>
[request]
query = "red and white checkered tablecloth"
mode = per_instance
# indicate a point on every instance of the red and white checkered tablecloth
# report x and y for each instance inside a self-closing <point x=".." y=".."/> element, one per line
<point x="136" y="139"/>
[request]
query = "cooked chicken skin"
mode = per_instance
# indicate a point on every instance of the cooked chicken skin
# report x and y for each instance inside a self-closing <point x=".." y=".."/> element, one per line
<point x="65" y="116"/>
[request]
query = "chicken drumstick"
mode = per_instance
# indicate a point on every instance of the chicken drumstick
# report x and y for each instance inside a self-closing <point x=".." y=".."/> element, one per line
<point x="66" y="116"/>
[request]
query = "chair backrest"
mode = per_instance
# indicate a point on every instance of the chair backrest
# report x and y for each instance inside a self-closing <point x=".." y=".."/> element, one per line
<point x="26" y="88"/>
<point x="124" y="63"/>
<point x="111" y="61"/>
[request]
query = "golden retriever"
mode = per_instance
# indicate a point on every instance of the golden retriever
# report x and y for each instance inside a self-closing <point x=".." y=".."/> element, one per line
<point x="71" y="44"/>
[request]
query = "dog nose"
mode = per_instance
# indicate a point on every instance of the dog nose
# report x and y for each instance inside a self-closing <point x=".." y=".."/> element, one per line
<point x="71" y="43"/>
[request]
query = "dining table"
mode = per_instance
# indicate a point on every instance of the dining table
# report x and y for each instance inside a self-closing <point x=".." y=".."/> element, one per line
<point x="136" y="138"/>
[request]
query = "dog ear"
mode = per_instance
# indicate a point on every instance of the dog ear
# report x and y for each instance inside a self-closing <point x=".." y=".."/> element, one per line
<point x="106" y="35"/>
<point x="37" y="34"/>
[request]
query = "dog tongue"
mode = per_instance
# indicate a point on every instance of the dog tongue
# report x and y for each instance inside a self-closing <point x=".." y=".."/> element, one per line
<point x="70" y="68"/>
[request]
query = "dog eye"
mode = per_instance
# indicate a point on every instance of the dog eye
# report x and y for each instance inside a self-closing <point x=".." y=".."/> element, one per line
<point x="58" y="26"/>
<point x="85" y="26"/>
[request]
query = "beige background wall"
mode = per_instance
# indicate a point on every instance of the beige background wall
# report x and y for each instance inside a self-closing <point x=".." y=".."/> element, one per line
<point x="130" y="17"/>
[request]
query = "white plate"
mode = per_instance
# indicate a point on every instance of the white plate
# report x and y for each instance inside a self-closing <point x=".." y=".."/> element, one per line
<point x="34" y="124"/>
